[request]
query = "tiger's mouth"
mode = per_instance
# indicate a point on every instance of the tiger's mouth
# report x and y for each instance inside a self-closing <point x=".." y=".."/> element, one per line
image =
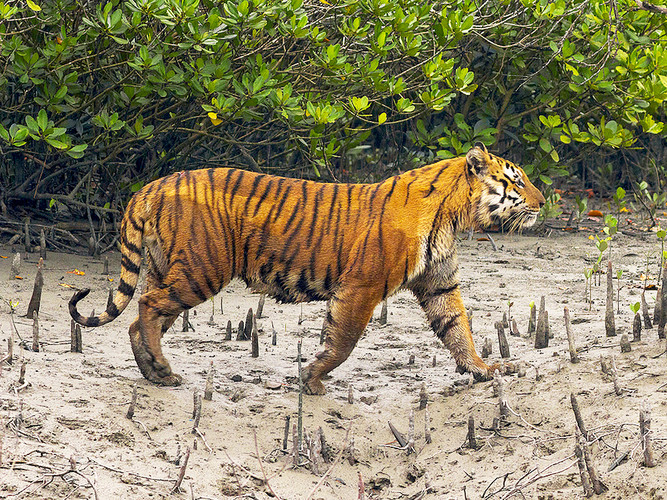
<point x="523" y="218"/>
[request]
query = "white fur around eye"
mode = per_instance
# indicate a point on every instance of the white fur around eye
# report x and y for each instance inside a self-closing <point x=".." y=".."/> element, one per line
<point x="512" y="173"/>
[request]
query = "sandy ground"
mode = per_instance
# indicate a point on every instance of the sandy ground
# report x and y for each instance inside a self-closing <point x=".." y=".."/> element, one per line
<point x="66" y="435"/>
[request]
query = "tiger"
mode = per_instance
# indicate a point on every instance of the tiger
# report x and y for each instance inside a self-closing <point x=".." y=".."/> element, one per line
<point x="300" y="240"/>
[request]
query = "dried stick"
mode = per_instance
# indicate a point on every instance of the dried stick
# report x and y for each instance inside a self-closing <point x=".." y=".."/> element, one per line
<point x="662" y="319"/>
<point x="637" y="328"/>
<point x="133" y="402"/>
<point x="493" y="243"/>
<point x="423" y="396"/>
<point x="247" y="332"/>
<point x="261" y="466"/>
<point x="15" y="269"/>
<point x="532" y="320"/>
<point x="260" y="305"/>
<point x="502" y="340"/>
<point x="350" y="394"/>
<point x="42" y="244"/>
<point x="577" y="416"/>
<point x="208" y="391"/>
<point x="383" y="313"/>
<point x="35" y="332"/>
<point x="295" y="446"/>
<point x="645" y="434"/>
<point x="196" y="412"/>
<point x="570" y="336"/>
<point x="411" y="432"/>
<point x="583" y="473"/>
<point x="427" y="426"/>
<point x="625" y="343"/>
<point x="487" y="348"/>
<point x="498" y="382"/>
<point x="400" y="438"/>
<point x="187" y="326"/>
<point x="598" y="486"/>
<point x="35" y="300"/>
<point x="647" y="317"/>
<point x="254" y="338"/>
<point x="181" y="472"/>
<point x="609" y="323"/>
<point x="316" y="459"/>
<point x="334" y="464"/>
<point x="286" y="432"/>
<point x="26" y="236"/>
<point x="541" y="330"/>
<point x="105" y="268"/>
<point x="299" y="417"/>
<point x="75" y="342"/>
<point x="470" y="437"/>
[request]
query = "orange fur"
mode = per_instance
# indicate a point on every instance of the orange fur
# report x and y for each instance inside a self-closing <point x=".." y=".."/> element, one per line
<point x="299" y="240"/>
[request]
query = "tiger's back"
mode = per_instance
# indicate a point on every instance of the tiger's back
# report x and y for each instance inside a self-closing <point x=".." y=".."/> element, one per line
<point x="299" y="240"/>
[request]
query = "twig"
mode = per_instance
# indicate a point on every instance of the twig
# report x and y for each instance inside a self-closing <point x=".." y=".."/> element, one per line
<point x="333" y="465"/>
<point x="181" y="473"/>
<point x="261" y="466"/>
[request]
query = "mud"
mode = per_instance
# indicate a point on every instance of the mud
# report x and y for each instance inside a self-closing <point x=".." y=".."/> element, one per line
<point x="65" y="435"/>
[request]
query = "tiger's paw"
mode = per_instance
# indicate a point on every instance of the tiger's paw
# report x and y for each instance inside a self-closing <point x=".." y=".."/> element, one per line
<point x="480" y="374"/>
<point x="171" y="380"/>
<point x="311" y="385"/>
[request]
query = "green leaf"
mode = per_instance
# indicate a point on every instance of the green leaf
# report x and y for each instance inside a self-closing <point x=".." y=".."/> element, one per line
<point x="382" y="118"/>
<point x="56" y="143"/>
<point x="546" y="179"/>
<point x="545" y="145"/>
<point x="42" y="119"/>
<point x="32" y="124"/>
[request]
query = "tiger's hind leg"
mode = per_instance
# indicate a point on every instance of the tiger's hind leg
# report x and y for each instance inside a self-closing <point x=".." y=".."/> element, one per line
<point x="351" y="310"/>
<point x="158" y="309"/>
<point x="142" y="353"/>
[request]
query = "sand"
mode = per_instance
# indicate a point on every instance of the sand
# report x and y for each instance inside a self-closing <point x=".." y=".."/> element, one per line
<point x="66" y="435"/>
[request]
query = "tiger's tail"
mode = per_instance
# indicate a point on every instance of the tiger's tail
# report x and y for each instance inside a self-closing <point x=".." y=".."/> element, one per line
<point x="131" y="243"/>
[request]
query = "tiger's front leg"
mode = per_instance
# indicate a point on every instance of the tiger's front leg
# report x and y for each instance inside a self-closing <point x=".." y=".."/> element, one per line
<point x="351" y="310"/>
<point x="442" y="302"/>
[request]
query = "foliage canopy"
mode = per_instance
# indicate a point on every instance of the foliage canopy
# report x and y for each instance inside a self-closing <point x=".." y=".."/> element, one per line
<point x="98" y="98"/>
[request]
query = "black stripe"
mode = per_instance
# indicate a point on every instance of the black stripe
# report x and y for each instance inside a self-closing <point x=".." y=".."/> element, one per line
<point x="262" y="198"/>
<point x="176" y="298"/>
<point x="237" y="184"/>
<point x="129" y="265"/>
<point x="125" y="289"/>
<point x="441" y="328"/>
<point x="292" y="217"/>
<point x="132" y="247"/>
<point x="282" y="202"/>
<point x="253" y="189"/>
<point x="134" y="224"/>
<point x="113" y="311"/>
<point x="313" y="221"/>
<point x="443" y="291"/>
<point x="407" y="189"/>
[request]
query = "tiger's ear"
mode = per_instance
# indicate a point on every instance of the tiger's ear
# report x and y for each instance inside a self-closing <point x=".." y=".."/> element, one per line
<point x="477" y="160"/>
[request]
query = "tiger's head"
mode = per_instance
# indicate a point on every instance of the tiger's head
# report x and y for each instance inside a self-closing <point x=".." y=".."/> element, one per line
<point x="504" y="194"/>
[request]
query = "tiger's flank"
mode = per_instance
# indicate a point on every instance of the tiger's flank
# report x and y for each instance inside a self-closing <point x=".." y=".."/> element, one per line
<point x="298" y="240"/>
